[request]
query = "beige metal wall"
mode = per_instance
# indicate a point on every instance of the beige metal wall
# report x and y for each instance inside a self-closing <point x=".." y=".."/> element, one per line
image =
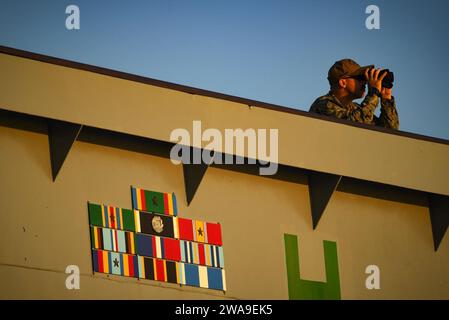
<point x="44" y="224"/>
<point x="44" y="228"/>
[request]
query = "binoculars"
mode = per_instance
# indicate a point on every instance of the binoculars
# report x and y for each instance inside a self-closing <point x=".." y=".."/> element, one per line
<point x="387" y="82"/>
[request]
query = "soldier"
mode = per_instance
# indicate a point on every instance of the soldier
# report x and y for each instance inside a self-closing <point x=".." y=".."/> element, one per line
<point x="347" y="81"/>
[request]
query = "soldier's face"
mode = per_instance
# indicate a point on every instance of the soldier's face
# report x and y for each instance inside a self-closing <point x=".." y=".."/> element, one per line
<point x="356" y="87"/>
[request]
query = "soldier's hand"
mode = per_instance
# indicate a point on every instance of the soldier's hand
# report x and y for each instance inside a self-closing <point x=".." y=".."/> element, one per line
<point x="373" y="79"/>
<point x="386" y="93"/>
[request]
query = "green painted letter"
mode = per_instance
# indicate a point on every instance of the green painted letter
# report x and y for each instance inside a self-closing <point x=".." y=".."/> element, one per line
<point x="306" y="289"/>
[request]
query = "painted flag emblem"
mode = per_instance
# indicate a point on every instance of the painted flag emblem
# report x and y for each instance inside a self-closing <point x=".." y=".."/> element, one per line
<point x="151" y="242"/>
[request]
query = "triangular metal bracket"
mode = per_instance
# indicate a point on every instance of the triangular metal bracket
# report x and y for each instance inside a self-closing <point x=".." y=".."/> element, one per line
<point x="61" y="136"/>
<point x="193" y="174"/>
<point x="439" y="217"/>
<point x="321" y="188"/>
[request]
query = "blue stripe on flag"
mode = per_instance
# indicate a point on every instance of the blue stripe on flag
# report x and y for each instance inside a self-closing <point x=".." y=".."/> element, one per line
<point x="106" y="216"/>
<point x="215" y="279"/>
<point x="136" y="266"/>
<point x="122" y="272"/>
<point x="144" y="245"/>
<point x="95" y="260"/>
<point x="175" y="206"/>
<point x="212" y="256"/>
<point x="109" y="262"/>
<point x="192" y="275"/>
<point x="119" y="222"/>
<point x="133" y="193"/>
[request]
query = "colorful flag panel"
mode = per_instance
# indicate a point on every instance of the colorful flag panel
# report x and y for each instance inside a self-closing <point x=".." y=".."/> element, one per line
<point x="202" y="276"/>
<point x="179" y="250"/>
<point x="111" y="217"/>
<point x="156" y="202"/>
<point x="115" y="263"/>
<point x="199" y="231"/>
<point x="151" y="242"/>
<point x="157" y="247"/>
<point x="156" y="224"/>
<point x="113" y="240"/>
<point x="203" y="254"/>
<point x="158" y="269"/>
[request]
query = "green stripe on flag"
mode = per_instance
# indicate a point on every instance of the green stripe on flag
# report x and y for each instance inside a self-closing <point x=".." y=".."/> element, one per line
<point x="128" y="220"/>
<point x="92" y="237"/>
<point x="95" y="218"/>
<point x="154" y="201"/>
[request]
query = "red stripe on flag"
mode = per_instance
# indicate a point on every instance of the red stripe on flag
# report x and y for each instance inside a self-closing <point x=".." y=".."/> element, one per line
<point x="153" y="245"/>
<point x="116" y="240"/>
<point x="172" y="249"/>
<point x="201" y="253"/>
<point x="142" y="199"/>
<point x="100" y="261"/>
<point x="185" y="229"/>
<point x="131" y="265"/>
<point x="214" y="233"/>
<point x="160" y="270"/>
<point x="111" y="217"/>
<point x="166" y="204"/>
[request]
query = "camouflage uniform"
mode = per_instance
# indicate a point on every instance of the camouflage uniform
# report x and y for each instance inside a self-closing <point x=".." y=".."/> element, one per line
<point x="329" y="105"/>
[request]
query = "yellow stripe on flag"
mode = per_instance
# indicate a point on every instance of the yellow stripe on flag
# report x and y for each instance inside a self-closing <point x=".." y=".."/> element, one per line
<point x="175" y="228"/>
<point x="165" y="270"/>
<point x="183" y="273"/>
<point x="207" y="254"/>
<point x="224" y="279"/>
<point x="196" y="258"/>
<point x="170" y="203"/>
<point x="131" y="236"/>
<point x="137" y="220"/>
<point x="158" y="247"/>
<point x="202" y="270"/>
<point x="139" y="199"/>
<point x="96" y="238"/>
<point x="121" y="219"/>
<point x="125" y="265"/>
<point x="199" y="229"/>
<point x="155" y="268"/>
<point x="105" y="262"/>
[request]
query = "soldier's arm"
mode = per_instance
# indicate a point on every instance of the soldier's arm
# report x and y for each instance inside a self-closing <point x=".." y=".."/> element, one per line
<point x="363" y="114"/>
<point x="388" y="114"/>
<point x="369" y="105"/>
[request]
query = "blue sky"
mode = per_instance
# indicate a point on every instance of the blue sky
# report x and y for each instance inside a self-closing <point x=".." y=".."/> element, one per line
<point x="272" y="51"/>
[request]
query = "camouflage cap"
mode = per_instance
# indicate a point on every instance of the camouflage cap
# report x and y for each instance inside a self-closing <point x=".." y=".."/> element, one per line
<point x="345" y="68"/>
